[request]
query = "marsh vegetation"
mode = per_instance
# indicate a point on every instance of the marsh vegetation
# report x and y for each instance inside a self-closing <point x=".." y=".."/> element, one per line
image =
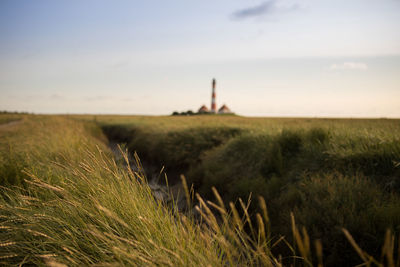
<point x="65" y="199"/>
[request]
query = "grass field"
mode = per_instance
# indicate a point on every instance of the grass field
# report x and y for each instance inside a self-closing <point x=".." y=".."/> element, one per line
<point x="331" y="173"/>
<point x="65" y="200"/>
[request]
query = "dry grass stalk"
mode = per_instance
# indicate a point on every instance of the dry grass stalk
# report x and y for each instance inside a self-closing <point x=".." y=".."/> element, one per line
<point x="186" y="189"/>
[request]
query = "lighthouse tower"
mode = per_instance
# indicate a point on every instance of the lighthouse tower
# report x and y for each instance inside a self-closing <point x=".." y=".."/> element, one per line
<point x="213" y="103"/>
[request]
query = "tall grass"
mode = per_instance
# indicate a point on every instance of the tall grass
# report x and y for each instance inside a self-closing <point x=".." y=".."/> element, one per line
<point x="68" y="202"/>
<point x="332" y="174"/>
<point x="74" y="205"/>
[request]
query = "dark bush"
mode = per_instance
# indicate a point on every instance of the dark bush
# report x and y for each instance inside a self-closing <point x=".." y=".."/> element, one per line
<point x="241" y="157"/>
<point x="181" y="149"/>
<point x="273" y="161"/>
<point x="290" y="142"/>
<point x="175" y="150"/>
<point x="318" y="135"/>
<point x="118" y="133"/>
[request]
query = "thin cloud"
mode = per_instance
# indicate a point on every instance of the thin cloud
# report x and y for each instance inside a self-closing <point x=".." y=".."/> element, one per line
<point x="349" y="66"/>
<point x="264" y="9"/>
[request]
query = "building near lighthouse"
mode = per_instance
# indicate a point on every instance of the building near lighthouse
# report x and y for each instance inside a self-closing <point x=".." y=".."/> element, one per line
<point x="203" y="109"/>
<point x="224" y="110"/>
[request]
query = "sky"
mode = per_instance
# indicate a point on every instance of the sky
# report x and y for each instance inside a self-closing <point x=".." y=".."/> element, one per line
<point x="302" y="58"/>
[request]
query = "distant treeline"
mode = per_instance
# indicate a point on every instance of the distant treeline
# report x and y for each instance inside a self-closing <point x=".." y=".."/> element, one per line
<point x="191" y="113"/>
<point x="13" y="112"/>
<point x="184" y="113"/>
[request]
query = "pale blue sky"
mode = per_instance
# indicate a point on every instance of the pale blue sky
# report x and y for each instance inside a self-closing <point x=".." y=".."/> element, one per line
<point x="338" y="58"/>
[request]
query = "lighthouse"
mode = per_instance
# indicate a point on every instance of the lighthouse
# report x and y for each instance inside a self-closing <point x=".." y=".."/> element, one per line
<point x="223" y="110"/>
<point x="213" y="103"/>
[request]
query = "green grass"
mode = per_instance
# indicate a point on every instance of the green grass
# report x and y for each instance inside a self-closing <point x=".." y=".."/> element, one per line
<point x="64" y="200"/>
<point x="67" y="202"/>
<point x="332" y="173"/>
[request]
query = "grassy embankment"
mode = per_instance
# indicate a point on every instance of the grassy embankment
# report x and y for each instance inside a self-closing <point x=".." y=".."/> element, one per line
<point x="64" y="200"/>
<point x="330" y="173"/>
